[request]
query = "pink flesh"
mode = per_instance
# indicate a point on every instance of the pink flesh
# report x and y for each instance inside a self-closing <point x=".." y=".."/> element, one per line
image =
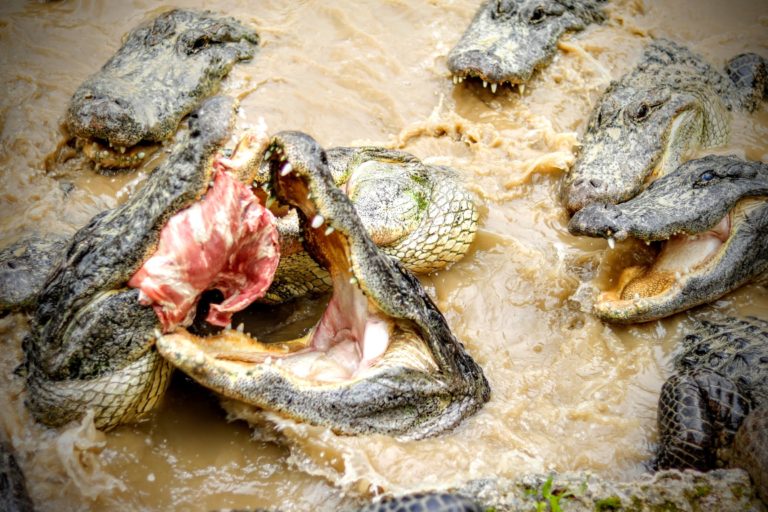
<point x="683" y="253"/>
<point x="226" y="241"/>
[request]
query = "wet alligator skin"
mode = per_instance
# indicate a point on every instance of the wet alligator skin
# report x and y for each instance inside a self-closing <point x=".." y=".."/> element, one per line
<point x="720" y="390"/>
<point x="510" y="39"/>
<point x="425" y="502"/>
<point x="644" y="123"/>
<point x="394" y="399"/>
<point x="710" y="188"/>
<point x="164" y="69"/>
<point x="24" y="267"/>
<point x="91" y="342"/>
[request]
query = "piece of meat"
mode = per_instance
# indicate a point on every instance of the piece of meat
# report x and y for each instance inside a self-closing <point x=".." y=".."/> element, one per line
<point x="227" y="240"/>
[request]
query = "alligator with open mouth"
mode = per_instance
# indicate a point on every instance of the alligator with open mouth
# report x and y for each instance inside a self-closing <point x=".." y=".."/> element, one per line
<point x="645" y="123"/>
<point x="710" y="221"/>
<point x="510" y="39"/>
<point x="381" y="359"/>
<point x="164" y="69"/>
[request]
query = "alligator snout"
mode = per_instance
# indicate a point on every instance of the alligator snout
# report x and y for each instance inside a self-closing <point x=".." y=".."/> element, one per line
<point x="582" y="191"/>
<point x="598" y="220"/>
<point x="105" y="116"/>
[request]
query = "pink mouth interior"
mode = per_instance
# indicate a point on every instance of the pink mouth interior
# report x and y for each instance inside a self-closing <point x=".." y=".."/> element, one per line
<point x="225" y="241"/>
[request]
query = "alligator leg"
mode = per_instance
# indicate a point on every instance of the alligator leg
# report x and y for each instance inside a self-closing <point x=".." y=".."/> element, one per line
<point x="749" y="71"/>
<point x="699" y="412"/>
<point x="24" y="268"/>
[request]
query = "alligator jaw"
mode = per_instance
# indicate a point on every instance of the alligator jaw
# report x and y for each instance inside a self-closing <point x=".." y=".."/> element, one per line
<point x="375" y="362"/>
<point x="690" y="269"/>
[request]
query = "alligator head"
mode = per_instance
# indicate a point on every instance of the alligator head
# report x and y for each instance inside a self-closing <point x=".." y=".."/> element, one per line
<point x="710" y="217"/>
<point x="645" y="123"/>
<point x="163" y="70"/>
<point x="381" y="358"/>
<point x="509" y="39"/>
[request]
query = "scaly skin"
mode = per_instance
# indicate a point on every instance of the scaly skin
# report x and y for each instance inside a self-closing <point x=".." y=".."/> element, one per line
<point x="645" y="123"/>
<point x="510" y="39"/>
<point x="420" y="214"/>
<point x="720" y="391"/>
<point x="24" y="266"/>
<point x="689" y="202"/>
<point x="425" y="502"/>
<point x="91" y="342"/>
<point x="423" y="384"/>
<point x="164" y="69"/>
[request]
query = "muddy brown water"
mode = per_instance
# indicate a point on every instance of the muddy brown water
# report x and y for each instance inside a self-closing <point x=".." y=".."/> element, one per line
<point x="569" y="393"/>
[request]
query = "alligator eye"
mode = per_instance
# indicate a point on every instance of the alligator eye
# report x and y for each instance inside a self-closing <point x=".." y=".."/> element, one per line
<point x="538" y="15"/>
<point x="642" y="112"/>
<point x="706" y="177"/>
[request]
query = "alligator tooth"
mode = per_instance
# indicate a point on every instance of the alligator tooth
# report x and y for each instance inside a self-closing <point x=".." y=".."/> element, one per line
<point x="286" y="170"/>
<point x="461" y="79"/>
<point x="485" y="84"/>
<point x="241" y="327"/>
<point x="268" y="360"/>
<point x="455" y="79"/>
<point x="270" y="201"/>
<point x="353" y="280"/>
<point x="317" y="221"/>
<point x="122" y="149"/>
<point x="493" y="88"/>
<point x="141" y="154"/>
<point x="267" y="154"/>
<point x="521" y="88"/>
<point x="329" y="230"/>
<point x="611" y="242"/>
<point x="105" y="153"/>
<point x="157" y="333"/>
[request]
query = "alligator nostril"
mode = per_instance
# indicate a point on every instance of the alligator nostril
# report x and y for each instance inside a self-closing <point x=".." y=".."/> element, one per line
<point x="596" y="183"/>
<point x="578" y="182"/>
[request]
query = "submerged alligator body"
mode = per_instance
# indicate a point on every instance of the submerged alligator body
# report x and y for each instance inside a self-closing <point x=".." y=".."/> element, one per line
<point x="510" y="39"/>
<point x="643" y="125"/>
<point x="382" y="358"/>
<point x="714" y="410"/>
<point x="711" y="219"/>
<point x="164" y="69"/>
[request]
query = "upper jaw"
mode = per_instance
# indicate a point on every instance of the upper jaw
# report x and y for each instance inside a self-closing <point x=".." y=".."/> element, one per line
<point x="381" y="358"/>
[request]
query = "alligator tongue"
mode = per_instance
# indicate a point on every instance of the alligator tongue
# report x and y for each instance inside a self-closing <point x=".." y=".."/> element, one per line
<point x="226" y="241"/>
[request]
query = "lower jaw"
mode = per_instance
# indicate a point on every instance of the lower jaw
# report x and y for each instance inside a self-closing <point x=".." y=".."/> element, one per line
<point x="104" y="157"/>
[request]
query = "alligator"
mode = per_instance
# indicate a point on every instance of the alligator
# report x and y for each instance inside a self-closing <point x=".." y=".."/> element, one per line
<point x="118" y="299"/>
<point x="510" y="39"/>
<point x="710" y="219"/>
<point x="163" y="70"/>
<point x="714" y="409"/>
<point x="381" y="359"/>
<point x="91" y="340"/>
<point x="645" y="123"/>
